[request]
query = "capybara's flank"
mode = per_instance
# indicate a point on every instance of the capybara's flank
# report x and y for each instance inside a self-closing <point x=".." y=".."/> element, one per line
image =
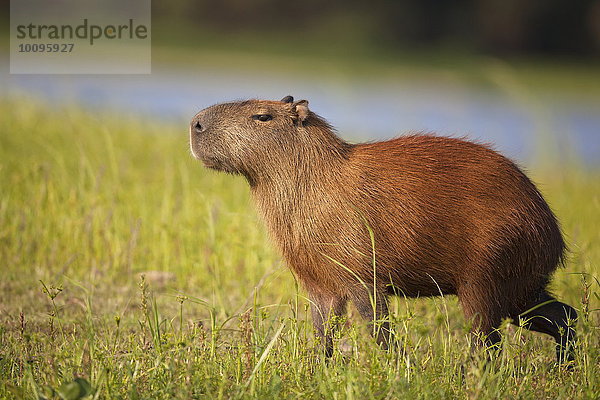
<point x="438" y="214"/>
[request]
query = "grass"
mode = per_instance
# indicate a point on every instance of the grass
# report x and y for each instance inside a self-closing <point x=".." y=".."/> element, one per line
<point x="129" y="271"/>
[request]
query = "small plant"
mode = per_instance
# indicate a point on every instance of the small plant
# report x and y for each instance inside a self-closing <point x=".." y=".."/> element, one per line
<point x="181" y="299"/>
<point x="52" y="293"/>
<point x="247" y="345"/>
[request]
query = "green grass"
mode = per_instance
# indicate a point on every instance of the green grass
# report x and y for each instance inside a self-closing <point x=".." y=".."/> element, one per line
<point x="91" y="203"/>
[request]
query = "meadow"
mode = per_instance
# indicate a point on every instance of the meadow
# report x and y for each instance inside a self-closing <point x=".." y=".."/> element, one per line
<point x="127" y="270"/>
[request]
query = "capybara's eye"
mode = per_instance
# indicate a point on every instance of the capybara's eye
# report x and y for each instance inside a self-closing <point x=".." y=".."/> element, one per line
<point x="262" y="117"/>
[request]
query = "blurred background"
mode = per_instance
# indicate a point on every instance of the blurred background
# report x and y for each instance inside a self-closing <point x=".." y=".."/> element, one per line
<point x="524" y="75"/>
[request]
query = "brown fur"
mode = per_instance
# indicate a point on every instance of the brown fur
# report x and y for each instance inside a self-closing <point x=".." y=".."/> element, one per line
<point x="432" y="214"/>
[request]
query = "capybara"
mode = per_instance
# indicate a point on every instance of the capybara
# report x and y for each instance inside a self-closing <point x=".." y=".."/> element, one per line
<point x="419" y="215"/>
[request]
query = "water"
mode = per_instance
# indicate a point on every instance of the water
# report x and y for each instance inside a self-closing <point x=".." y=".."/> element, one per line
<point x="360" y="109"/>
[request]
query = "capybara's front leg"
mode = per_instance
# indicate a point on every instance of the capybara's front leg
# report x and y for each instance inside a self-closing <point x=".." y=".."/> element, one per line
<point x="324" y="306"/>
<point x="374" y="308"/>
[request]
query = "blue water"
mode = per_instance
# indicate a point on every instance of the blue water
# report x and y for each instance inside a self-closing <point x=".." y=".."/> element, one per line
<point x="559" y="125"/>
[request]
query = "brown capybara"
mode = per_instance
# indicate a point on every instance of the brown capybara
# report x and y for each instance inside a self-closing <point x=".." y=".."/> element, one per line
<point x="418" y="215"/>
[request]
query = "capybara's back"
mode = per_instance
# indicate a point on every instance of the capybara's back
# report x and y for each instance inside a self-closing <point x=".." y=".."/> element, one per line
<point x="419" y="215"/>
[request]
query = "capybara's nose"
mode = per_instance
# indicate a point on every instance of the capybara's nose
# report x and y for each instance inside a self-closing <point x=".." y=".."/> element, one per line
<point x="197" y="126"/>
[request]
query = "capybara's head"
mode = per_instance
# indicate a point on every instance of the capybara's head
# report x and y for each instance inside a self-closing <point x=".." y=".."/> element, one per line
<point x="240" y="136"/>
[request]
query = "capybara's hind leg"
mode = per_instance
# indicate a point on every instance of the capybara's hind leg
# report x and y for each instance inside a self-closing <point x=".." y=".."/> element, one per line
<point x="323" y="307"/>
<point x="479" y="311"/>
<point x="556" y="319"/>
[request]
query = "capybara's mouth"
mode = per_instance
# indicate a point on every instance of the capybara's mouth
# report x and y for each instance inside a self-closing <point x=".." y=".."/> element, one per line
<point x="200" y="155"/>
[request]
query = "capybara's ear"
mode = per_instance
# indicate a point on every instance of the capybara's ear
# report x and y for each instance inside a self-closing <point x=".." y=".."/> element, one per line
<point x="287" y="99"/>
<point x="301" y="110"/>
